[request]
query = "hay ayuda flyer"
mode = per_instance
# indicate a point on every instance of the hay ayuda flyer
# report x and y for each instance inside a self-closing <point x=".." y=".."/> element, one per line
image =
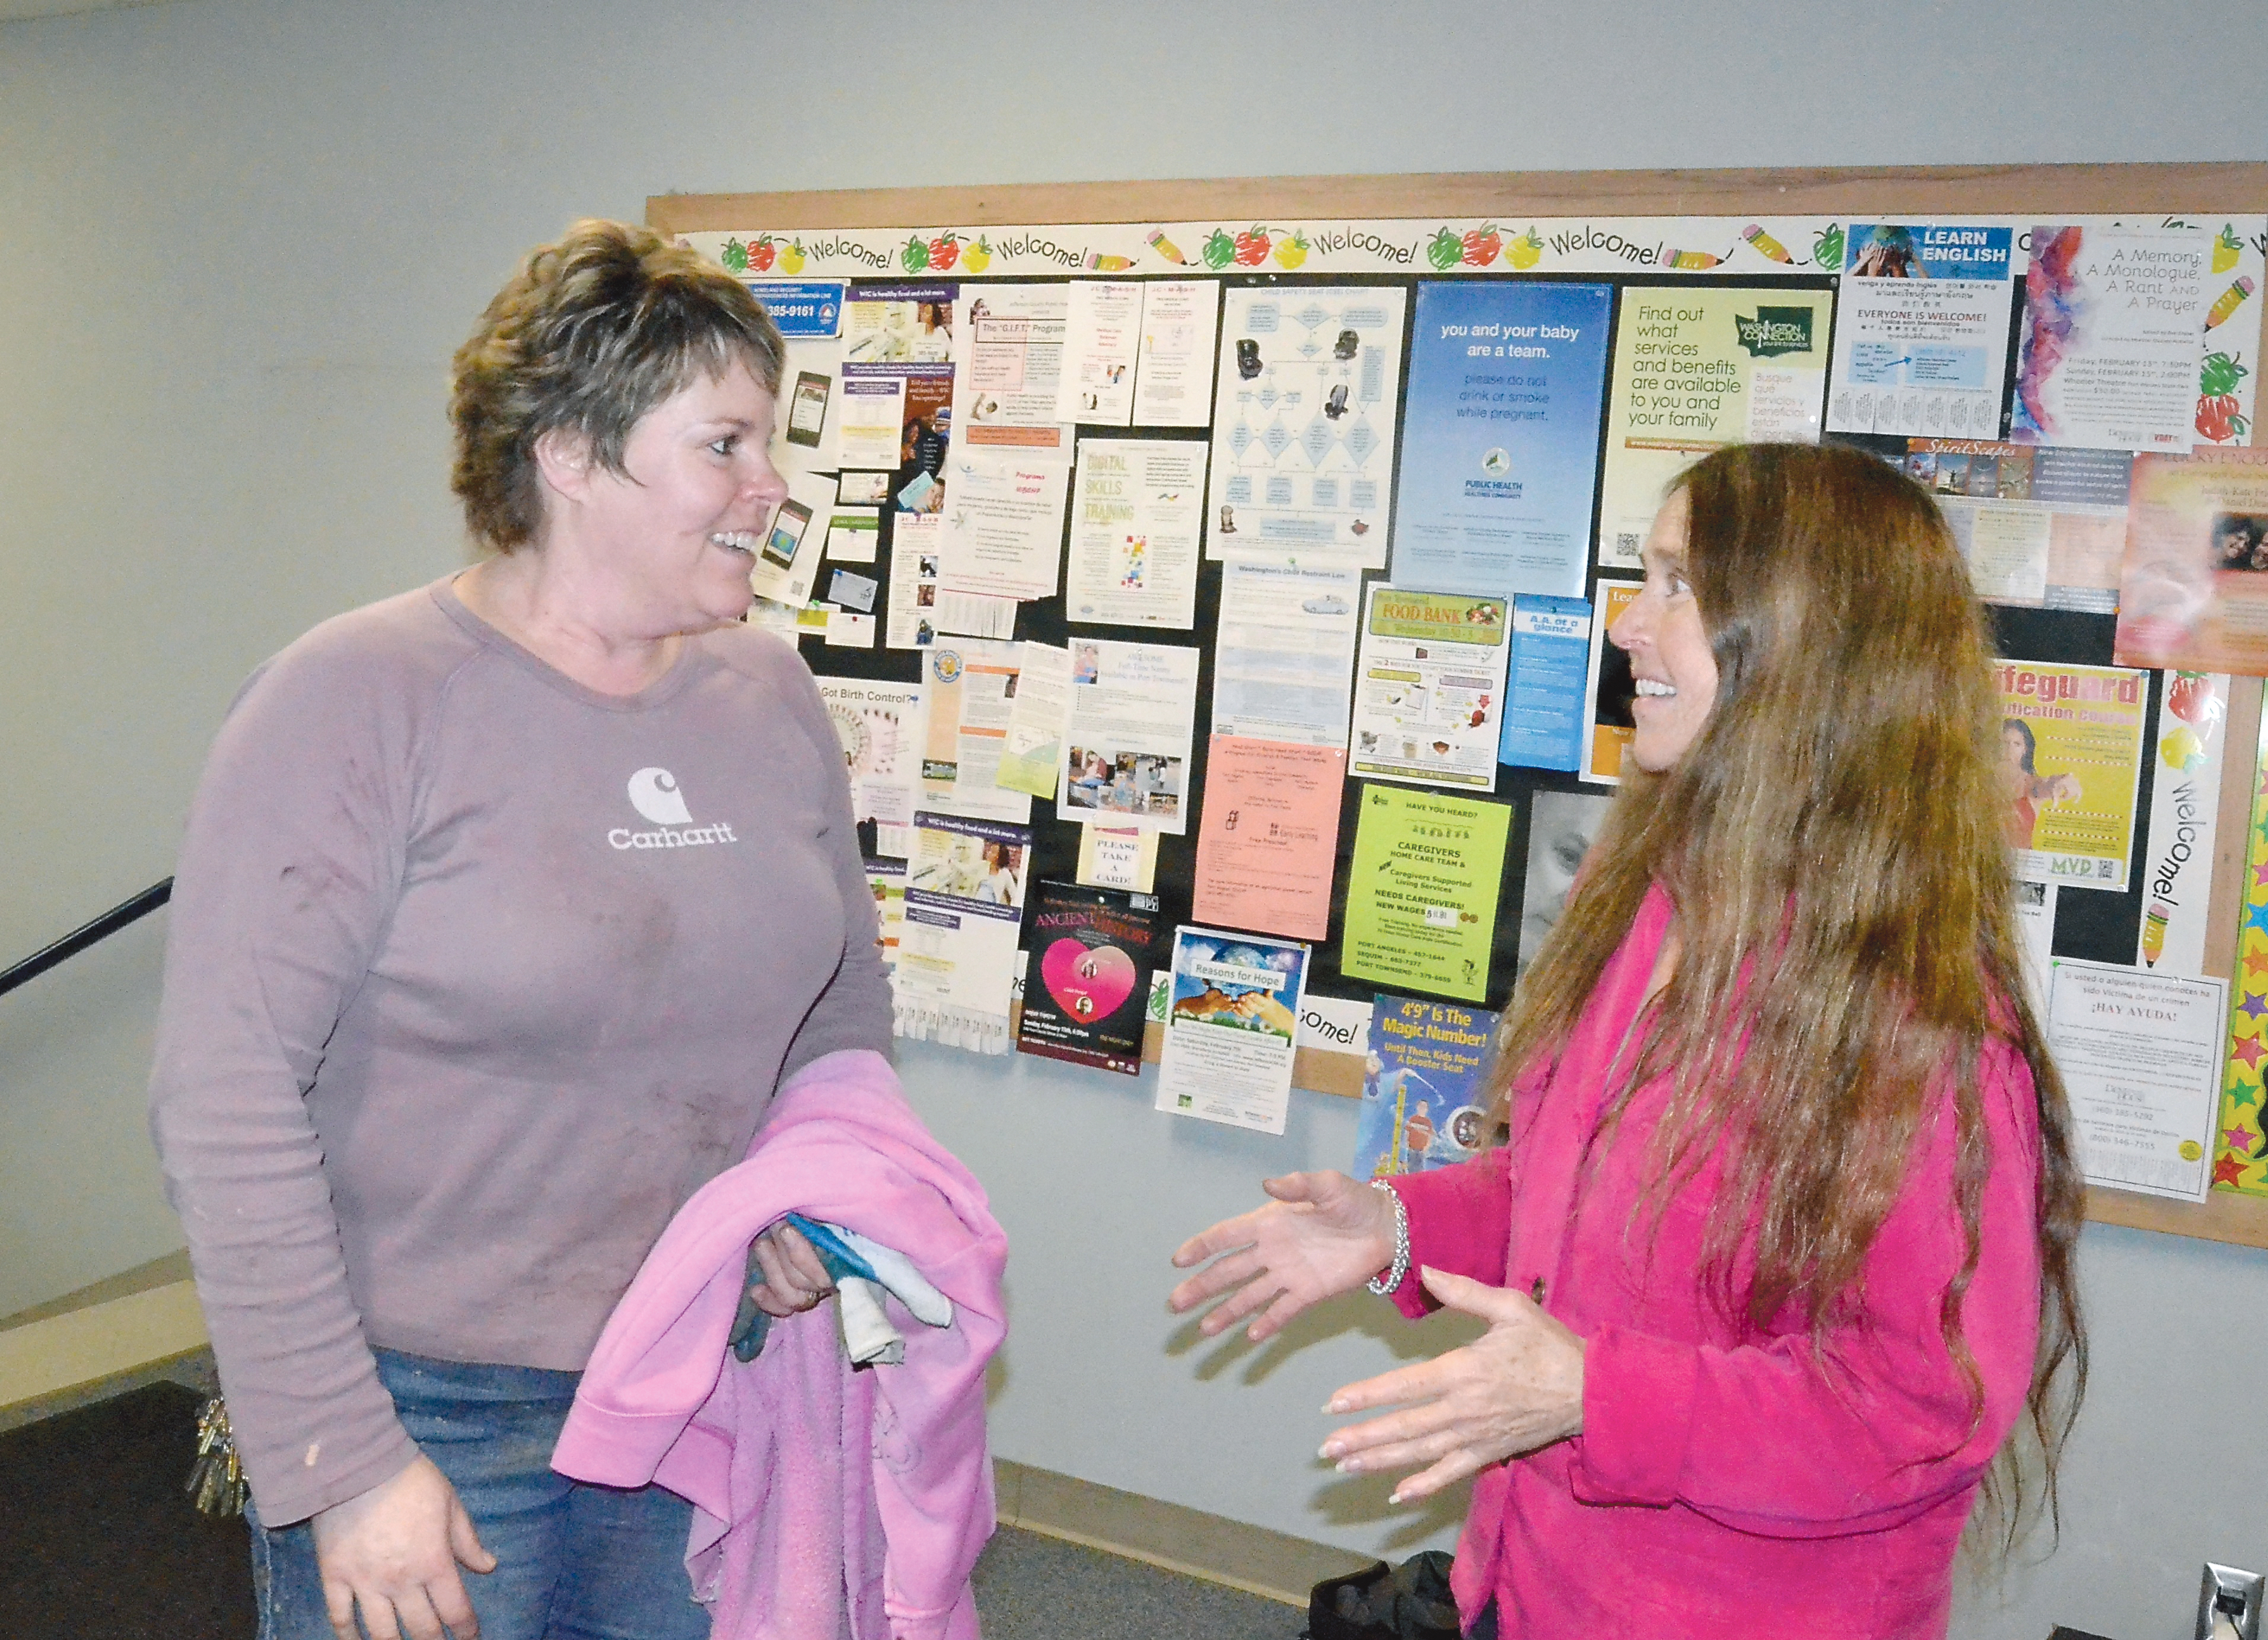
<point x="2070" y="742"/>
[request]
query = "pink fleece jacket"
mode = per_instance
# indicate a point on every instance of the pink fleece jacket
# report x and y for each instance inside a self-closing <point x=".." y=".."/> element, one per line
<point x="1732" y="1480"/>
<point x="785" y="1529"/>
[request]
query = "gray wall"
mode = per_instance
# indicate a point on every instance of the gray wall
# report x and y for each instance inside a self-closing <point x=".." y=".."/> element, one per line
<point x="242" y="238"/>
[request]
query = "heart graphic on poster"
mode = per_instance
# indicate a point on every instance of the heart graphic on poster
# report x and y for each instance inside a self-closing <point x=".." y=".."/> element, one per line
<point x="1087" y="981"/>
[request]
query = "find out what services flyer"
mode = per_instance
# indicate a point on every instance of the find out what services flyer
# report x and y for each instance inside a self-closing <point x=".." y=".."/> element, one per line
<point x="1697" y="369"/>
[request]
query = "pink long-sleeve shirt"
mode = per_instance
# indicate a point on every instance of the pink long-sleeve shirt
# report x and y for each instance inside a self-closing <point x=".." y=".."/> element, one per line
<point x="1729" y="1480"/>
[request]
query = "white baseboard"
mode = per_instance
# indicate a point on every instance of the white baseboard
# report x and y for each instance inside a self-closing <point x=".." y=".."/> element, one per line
<point x="1271" y="1564"/>
<point x="44" y="1359"/>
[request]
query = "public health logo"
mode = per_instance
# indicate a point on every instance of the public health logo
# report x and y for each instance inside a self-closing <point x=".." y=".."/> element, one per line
<point x="654" y="794"/>
<point x="1497" y="463"/>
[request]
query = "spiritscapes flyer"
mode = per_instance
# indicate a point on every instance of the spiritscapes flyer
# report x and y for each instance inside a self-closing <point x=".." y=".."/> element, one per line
<point x="1091" y="951"/>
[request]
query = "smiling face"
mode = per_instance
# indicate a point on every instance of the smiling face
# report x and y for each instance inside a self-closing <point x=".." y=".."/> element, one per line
<point x="675" y="534"/>
<point x="1670" y="655"/>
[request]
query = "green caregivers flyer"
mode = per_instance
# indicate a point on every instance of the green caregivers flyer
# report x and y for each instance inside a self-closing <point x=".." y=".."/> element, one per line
<point x="1695" y="369"/>
<point x="1422" y="892"/>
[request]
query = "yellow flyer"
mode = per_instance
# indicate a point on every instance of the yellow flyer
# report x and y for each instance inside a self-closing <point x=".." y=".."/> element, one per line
<point x="1422" y="892"/>
<point x="1697" y="369"/>
<point x="2239" y="1150"/>
<point x="2070" y="742"/>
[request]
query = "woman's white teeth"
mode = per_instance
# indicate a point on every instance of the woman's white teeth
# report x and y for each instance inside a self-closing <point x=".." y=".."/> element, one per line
<point x="1647" y="686"/>
<point x="735" y="541"/>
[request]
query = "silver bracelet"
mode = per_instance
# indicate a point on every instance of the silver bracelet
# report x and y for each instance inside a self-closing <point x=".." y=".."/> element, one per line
<point x="1382" y="1285"/>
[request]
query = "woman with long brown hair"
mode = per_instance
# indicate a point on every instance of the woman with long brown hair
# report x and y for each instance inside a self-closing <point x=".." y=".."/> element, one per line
<point x="1777" y="1250"/>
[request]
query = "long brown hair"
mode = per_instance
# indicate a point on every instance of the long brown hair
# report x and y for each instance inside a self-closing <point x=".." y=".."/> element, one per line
<point x="1834" y="844"/>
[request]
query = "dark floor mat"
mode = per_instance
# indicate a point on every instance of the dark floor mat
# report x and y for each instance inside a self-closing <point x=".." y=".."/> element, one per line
<point x="97" y="1540"/>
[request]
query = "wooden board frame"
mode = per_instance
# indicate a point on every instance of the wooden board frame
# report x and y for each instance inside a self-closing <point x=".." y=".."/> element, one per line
<point x="2044" y="191"/>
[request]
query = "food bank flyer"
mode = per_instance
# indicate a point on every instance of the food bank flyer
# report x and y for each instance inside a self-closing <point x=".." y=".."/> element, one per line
<point x="1697" y="369"/>
<point x="2070" y="742"/>
<point x="1422" y="891"/>
<point x="1501" y="429"/>
<point x="1429" y="689"/>
<point x="1231" y="1028"/>
<point x="1424" y="1092"/>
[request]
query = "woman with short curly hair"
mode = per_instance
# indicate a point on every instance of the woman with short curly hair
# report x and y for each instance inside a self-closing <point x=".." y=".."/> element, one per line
<point x="506" y="907"/>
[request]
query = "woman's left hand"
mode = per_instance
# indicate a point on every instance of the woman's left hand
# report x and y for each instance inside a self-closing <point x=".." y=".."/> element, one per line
<point x="1517" y="1387"/>
<point x="794" y="1279"/>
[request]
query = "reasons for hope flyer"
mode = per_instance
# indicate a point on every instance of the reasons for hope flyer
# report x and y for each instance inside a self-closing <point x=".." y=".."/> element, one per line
<point x="1695" y="369"/>
<point x="1421" y="898"/>
<point x="1232" y="1028"/>
<point x="1501" y="426"/>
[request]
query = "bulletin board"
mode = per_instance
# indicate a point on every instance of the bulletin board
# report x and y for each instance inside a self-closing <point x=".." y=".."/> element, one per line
<point x="1778" y="236"/>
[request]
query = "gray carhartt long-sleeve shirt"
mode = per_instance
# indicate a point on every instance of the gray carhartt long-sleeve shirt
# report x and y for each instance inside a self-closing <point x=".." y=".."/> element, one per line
<point x="474" y="976"/>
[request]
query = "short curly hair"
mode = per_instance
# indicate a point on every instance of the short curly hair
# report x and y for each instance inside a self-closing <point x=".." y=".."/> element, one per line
<point x="588" y="337"/>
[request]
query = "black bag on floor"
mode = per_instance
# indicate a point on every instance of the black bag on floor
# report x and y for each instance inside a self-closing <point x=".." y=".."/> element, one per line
<point x="1410" y="1601"/>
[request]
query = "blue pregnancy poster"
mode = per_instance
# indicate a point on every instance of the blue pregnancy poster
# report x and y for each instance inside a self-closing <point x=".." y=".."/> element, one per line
<point x="1500" y="437"/>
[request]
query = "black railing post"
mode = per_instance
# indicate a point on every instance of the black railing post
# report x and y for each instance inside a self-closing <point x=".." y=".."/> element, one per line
<point x="78" y="939"/>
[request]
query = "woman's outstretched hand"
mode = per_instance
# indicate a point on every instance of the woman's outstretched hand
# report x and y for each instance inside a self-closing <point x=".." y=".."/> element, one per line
<point x="1516" y="1388"/>
<point x="1323" y="1234"/>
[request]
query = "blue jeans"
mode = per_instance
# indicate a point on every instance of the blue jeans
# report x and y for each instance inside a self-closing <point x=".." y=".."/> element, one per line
<point x="573" y="1562"/>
